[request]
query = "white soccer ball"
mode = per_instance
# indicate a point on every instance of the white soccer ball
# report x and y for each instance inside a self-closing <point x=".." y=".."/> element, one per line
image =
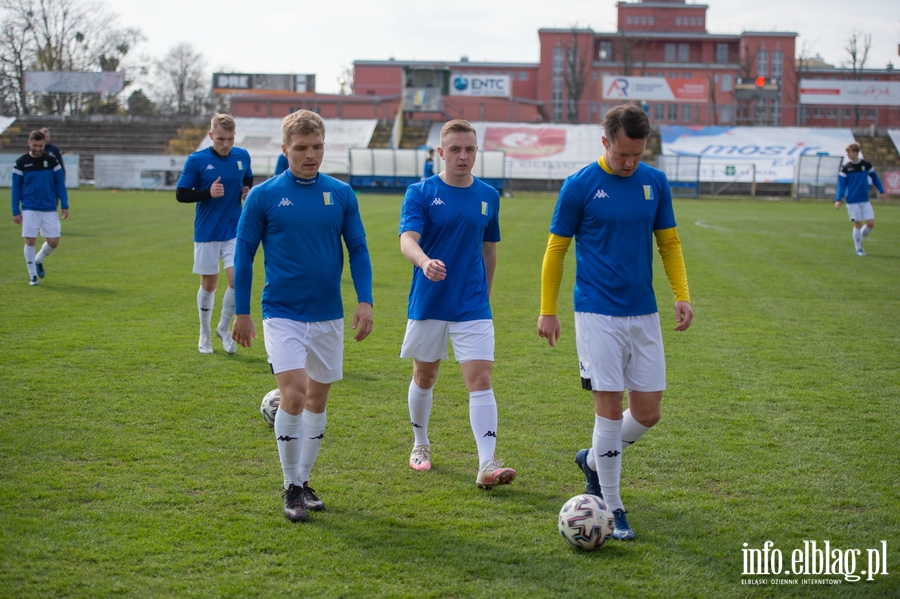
<point x="586" y="522"/>
<point x="270" y="406"/>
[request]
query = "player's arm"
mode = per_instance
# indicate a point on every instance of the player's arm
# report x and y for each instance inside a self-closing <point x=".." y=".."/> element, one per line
<point x="361" y="273"/>
<point x="489" y="254"/>
<point x="17" y="180"/>
<point x="876" y="181"/>
<point x="551" y="279"/>
<point x="434" y="270"/>
<point x="190" y="196"/>
<point x="669" y="246"/>
<point x="243" y="331"/>
<point x="841" y="189"/>
<point x="62" y="194"/>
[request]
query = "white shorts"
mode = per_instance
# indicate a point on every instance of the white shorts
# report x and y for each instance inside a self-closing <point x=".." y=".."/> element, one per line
<point x="208" y="253"/>
<point x="620" y="352"/>
<point x="426" y="340"/>
<point x="316" y="346"/>
<point x="860" y="212"/>
<point x="36" y="223"/>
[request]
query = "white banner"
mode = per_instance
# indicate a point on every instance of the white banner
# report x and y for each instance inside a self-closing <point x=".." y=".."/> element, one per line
<point x="655" y="88"/>
<point x="262" y="138"/>
<point x="850" y="93"/>
<point x="133" y="171"/>
<point x="71" y="82"/>
<point x="8" y="161"/>
<point x="465" y="84"/>
<point x="774" y="150"/>
<point x="545" y="151"/>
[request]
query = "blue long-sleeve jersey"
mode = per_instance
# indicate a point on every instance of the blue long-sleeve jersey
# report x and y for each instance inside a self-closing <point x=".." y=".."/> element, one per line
<point x="853" y="181"/>
<point x="38" y="184"/>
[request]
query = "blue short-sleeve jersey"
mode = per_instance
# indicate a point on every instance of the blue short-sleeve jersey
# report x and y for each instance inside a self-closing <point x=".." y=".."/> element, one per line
<point x="452" y="222"/>
<point x="612" y="219"/>
<point x="215" y="219"/>
<point x="300" y="224"/>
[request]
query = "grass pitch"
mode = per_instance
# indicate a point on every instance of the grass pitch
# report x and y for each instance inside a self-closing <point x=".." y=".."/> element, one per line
<point x="133" y="466"/>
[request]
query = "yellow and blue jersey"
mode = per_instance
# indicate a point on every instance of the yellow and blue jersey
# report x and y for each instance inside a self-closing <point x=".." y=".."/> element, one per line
<point x="216" y="219"/>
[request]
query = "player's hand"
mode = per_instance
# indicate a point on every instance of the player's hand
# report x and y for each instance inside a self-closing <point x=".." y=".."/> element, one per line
<point x="244" y="192"/>
<point x="434" y="270"/>
<point x="243" y="331"/>
<point x="217" y="190"/>
<point x="684" y="314"/>
<point x="64" y="213"/>
<point x="17" y="219"/>
<point x="837" y="205"/>
<point x="548" y="328"/>
<point x="362" y="320"/>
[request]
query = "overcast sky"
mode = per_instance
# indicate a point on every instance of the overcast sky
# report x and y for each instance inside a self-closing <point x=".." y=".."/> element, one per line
<point x="284" y="36"/>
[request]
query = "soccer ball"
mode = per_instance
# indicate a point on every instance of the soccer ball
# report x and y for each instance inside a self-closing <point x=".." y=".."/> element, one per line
<point x="586" y="522"/>
<point x="270" y="406"/>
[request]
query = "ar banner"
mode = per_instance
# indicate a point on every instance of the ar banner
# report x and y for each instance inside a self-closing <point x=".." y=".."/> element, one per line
<point x="664" y="89"/>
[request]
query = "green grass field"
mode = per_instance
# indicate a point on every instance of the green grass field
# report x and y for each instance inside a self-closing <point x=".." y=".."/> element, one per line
<point x="133" y="466"/>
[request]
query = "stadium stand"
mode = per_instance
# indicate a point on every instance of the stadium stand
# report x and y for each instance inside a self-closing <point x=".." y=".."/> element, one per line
<point x="87" y="138"/>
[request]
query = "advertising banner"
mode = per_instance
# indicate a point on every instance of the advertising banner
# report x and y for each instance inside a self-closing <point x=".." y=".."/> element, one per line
<point x="132" y="171"/>
<point x="662" y="89"/>
<point x="850" y="93"/>
<point x="69" y="82"/>
<point x="480" y="85"/>
<point x="773" y="150"/>
<point x="891" y="182"/>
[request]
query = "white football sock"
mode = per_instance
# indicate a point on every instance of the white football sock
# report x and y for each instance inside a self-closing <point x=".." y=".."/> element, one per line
<point x="857" y="238"/>
<point x="864" y="232"/>
<point x="607" y="450"/>
<point x="205" y="301"/>
<point x="29" y="261"/>
<point x="289" y="436"/>
<point x="483" y="418"/>
<point x="46" y="250"/>
<point x="632" y="430"/>
<point x="227" y="310"/>
<point x="313" y="433"/>
<point x="420" y="401"/>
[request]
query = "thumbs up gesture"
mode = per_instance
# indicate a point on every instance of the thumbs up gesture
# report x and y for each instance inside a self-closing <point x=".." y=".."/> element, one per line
<point x="217" y="190"/>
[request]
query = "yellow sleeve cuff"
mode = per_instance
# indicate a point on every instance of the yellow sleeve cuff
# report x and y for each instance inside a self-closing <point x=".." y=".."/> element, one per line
<point x="552" y="271"/>
<point x="669" y="246"/>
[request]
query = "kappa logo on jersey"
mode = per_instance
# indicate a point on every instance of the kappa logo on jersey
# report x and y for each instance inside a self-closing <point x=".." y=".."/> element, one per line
<point x="438" y="202"/>
<point x="600" y="195"/>
<point x="648" y="192"/>
<point x="326" y="196"/>
<point x="210" y="167"/>
<point x="285" y="202"/>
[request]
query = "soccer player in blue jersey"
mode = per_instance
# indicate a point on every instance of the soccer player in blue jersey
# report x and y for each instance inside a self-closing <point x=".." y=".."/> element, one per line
<point x="449" y="229"/>
<point x="853" y="182"/>
<point x="428" y="169"/>
<point x="38" y="187"/>
<point x="281" y="165"/>
<point x="614" y="208"/>
<point x="300" y="218"/>
<point x="217" y="179"/>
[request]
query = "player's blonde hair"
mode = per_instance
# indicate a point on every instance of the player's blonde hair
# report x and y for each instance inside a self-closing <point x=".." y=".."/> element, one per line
<point x="457" y="126"/>
<point x="224" y="122"/>
<point x="302" y="122"/>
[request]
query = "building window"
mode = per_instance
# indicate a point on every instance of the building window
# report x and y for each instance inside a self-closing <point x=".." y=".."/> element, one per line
<point x="659" y="112"/>
<point x="831" y="114"/>
<point x="726" y="114"/>
<point x="650" y="20"/>
<point x="762" y="63"/>
<point x="678" y="20"/>
<point x="687" y="75"/>
<point x="670" y="52"/>
<point x="673" y="112"/>
<point x="872" y="113"/>
<point x="673" y="75"/>
<point x="684" y="53"/>
<point x="523" y="75"/>
<point x="628" y="19"/>
<point x="817" y="113"/>
<point x="777" y="63"/>
<point x="726" y="82"/>
<point x="606" y="51"/>
<point x="845" y="113"/>
<point x="686" y="113"/>
<point x="722" y="53"/>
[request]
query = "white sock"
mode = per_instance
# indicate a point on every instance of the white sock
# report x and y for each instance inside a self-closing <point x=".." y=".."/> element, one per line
<point x="419" y="401"/>
<point x="857" y="238"/>
<point x="632" y="430"/>
<point x="864" y="232"/>
<point x="483" y="418"/>
<point x="227" y="310"/>
<point x="29" y="261"/>
<point x="288" y="436"/>
<point x="46" y="250"/>
<point x="607" y="450"/>
<point x="313" y="433"/>
<point x="205" y="301"/>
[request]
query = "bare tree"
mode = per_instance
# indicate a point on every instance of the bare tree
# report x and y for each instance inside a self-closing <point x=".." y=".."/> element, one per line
<point x="182" y="82"/>
<point x="576" y="74"/>
<point x="802" y="68"/>
<point x="625" y="51"/>
<point x="15" y="56"/>
<point x="857" y="49"/>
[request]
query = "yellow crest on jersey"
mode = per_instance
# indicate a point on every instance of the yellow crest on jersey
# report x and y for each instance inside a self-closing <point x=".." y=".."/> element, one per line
<point x="648" y="192"/>
<point x="326" y="195"/>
